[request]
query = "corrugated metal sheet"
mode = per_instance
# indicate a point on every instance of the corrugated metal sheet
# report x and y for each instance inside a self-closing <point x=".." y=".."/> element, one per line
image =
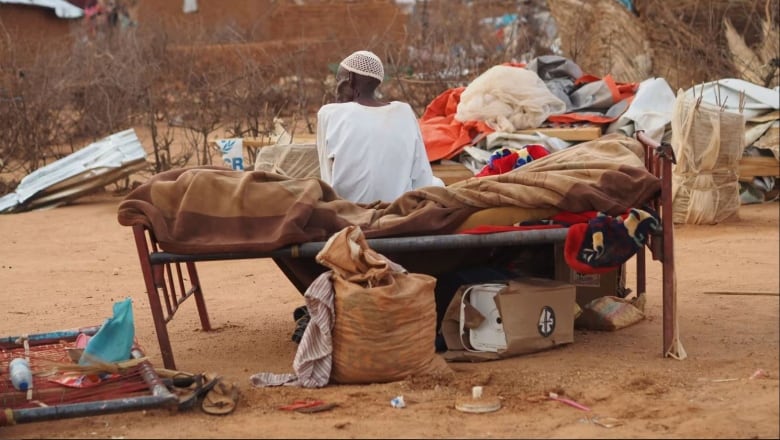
<point x="62" y="8"/>
<point x="92" y="167"/>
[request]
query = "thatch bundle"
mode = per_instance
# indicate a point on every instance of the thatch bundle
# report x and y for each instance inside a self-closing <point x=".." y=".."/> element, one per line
<point x="603" y="37"/>
<point x="686" y="41"/>
<point x="760" y="65"/>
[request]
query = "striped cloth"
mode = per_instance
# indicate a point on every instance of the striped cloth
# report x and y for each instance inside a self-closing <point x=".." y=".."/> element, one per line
<point x="212" y="209"/>
<point x="313" y="360"/>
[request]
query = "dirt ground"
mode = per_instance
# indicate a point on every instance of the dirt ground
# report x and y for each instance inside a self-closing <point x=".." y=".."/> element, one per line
<point x="63" y="268"/>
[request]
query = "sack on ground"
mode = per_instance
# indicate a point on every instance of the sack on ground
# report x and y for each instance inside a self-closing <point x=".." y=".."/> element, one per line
<point x="385" y="317"/>
<point x="611" y="313"/>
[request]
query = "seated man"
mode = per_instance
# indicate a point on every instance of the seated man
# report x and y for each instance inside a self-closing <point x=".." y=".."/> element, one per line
<point x="369" y="150"/>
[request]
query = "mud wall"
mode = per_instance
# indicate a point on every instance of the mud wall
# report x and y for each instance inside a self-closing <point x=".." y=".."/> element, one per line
<point x="228" y="21"/>
<point x="31" y="26"/>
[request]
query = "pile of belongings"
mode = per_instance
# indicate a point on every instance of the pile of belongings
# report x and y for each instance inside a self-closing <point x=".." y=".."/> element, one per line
<point x="497" y="113"/>
<point x="496" y="123"/>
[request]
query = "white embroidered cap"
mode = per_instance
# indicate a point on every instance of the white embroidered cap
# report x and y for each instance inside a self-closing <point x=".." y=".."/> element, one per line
<point x="365" y="63"/>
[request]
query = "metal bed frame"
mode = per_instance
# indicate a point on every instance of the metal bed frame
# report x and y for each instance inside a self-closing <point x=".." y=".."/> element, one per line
<point x="164" y="273"/>
<point x="17" y="410"/>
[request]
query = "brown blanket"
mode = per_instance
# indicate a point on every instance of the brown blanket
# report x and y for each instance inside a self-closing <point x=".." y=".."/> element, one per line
<point x="210" y="210"/>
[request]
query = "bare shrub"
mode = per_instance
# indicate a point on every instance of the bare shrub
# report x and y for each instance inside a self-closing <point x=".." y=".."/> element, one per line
<point x="449" y="43"/>
<point x="253" y="101"/>
<point x="34" y="97"/>
<point x="197" y="108"/>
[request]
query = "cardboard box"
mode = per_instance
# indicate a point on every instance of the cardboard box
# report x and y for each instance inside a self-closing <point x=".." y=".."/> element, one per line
<point x="533" y="314"/>
<point x="589" y="286"/>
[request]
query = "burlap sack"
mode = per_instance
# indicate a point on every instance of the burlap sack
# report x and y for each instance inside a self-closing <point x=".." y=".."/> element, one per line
<point x="609" y="313"/>
<point x="708" y="143"/>
<point x="292" y="160"/>
<point x="385" y="317"/>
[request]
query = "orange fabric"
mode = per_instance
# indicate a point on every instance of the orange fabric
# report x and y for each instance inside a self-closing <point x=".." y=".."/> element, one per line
<point x="610" y="82"/>
<point x="586" y="78"/>
<point x="571" y="118"/>
<point x="623" y="90"/>
<point x="444" y="137"/>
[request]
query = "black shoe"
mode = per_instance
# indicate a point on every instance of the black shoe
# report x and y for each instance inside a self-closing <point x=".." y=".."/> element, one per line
<point x="300" y="328"/>
<point x="441" y="346"/>
<point x="300" y="312"/>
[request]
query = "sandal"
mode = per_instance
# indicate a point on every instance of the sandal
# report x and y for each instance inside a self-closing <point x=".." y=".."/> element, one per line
<point x="192" y="388"/>
<point x="221" y="399"/>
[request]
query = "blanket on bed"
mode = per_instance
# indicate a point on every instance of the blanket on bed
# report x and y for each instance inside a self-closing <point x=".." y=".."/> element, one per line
<point x="211" y="210"/>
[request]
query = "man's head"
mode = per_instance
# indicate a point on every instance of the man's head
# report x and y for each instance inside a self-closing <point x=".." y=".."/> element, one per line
<point x="359" y="74"/>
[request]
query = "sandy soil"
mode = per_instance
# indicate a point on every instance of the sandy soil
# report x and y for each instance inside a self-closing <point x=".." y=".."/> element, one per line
<point x="63" y="268"/>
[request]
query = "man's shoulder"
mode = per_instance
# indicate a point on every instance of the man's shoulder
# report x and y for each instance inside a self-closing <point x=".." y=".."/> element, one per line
<point x="329" y="108"/>
<point x="348" y="109"/>
<point x="404" y="107"/>
<point x="401" y="104"/>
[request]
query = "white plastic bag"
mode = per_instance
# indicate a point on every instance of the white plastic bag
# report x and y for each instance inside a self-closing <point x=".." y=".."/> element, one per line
<point x="508" y="99"/>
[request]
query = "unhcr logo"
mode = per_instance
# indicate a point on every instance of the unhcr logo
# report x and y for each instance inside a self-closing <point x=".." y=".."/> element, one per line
<point x="225" y="145"/>
<point x="546" y="324"/>
<point x="232" y="153"/>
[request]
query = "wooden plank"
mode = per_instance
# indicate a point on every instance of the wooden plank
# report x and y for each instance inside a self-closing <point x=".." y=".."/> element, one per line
<point x="258" y="142"/>
<point x="585" y="133"/>
<point x="756" y="166"/>
<point x="451" y="173"/>
<point x="254" y="142"/>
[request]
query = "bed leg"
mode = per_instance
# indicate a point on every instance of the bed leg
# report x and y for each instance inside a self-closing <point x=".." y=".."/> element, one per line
<point x="160" y="325"/>
<point x="664" y="155"/>
<point x="199" y="300"/>
<point x="669" y="276"/>
<point x="641" y="271"/>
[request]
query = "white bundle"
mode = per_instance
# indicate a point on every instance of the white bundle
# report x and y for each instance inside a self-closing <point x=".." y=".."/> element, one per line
<point x="508" y="99"/>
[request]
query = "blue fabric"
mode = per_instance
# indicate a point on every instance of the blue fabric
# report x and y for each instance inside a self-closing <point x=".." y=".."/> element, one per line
<point x="629" y="4"/>
<point x="114" y="340"/>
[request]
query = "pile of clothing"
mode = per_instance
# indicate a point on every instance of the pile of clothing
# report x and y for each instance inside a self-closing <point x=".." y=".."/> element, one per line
<point x="483" y="124"/>
<point x="495" y="107"/>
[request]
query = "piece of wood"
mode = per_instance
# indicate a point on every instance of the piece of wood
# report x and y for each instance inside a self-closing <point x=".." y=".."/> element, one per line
<point x="743" y="293"/>
<point x="259" y="142"/>
<point x="253" y="142"/>
<point x="584" y="133"/>
<point x="451" y="173"/>
<point x="755" y="166"/>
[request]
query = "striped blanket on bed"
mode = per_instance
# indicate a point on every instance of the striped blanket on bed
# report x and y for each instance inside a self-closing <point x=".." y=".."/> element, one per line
<point x="210" y="210"/>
